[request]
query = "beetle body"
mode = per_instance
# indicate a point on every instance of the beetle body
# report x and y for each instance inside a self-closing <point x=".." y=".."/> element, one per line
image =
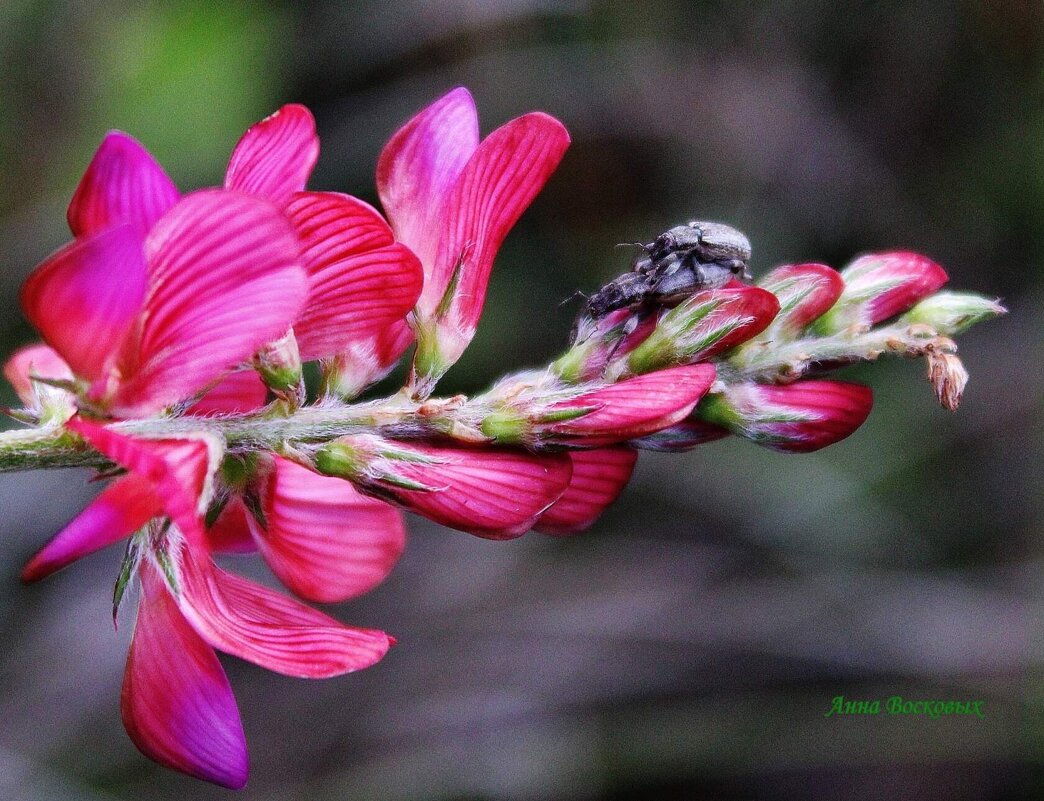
<point x="678" y="263"/>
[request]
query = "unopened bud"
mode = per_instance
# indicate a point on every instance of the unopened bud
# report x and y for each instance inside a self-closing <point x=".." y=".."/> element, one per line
<point x="796" y="418"/>
<point x="952" y="313"/>
<point x="44" y="383"/>
<point x="491" y="492"/>
<point x="805" y="292"/>
<point x="704" y="325"/>
<point x="279" y="364"/>
<point x="879" y="286"/>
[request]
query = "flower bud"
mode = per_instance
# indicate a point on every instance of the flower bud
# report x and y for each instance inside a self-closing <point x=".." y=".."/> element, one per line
<point x="704" y="325"/>
<point x="805" y="292"/>
<point x="879" y="286"/>
<point x="796" y="418"/>
<point x="952" y="313"/>
<point x="541" y="413"/>
<point x="30" y="371"/>
<point x="279" y="364"/>
<point x="597" y="341"/>
<point x="489" y="492"/>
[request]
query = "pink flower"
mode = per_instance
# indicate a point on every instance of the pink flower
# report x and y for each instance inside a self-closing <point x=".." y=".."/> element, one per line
<point x="797" y="418"/>
<point x="177" y="705"/>
<point x="452" y="199"/>
<point x="157" y="297"/>
<point x="361" y="281"/>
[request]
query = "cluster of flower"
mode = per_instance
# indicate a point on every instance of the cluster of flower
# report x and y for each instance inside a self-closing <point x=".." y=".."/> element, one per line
<point x="176" y="327"/>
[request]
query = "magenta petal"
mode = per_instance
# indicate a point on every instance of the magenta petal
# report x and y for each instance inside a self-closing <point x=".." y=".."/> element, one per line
<point x="499" y="182"/>
<point x="369" y="360"/>
<point x="224" y="279"/>
<point x="236" y="393"/>
<point x="796" y="418"/>
<point x="419" y="166"/>
<point x="497" y="494"/>
<point x="230" y="533"/>
<point x="176" y="702"/>
<point x="34" y="360"/>
<point x="275" y="157"/>
<point x="834" y="410"/>
<point x="361" y="282"/>
<point x="598" y="478"/>
<point x="85" y="297"/>
<point x="179" y="470"/>
<point x="636" y="406"/>
<point x="879" y="286"/>
<point x="121" y="509"/>
<point x="271" y="630"/>
<point x="324" y="540"/>
<point x="805" y="292"/>
<point x="920" y="277"/>
<point x="123" y="184"/>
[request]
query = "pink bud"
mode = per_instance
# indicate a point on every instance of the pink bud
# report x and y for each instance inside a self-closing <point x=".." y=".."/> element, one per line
<point x="490" y="492"/>
<point x="879" y="286"/>
<point x="796" y="418"/>
<point x="805" y="292"/>
<point x="630" y="408"/>
<point x="703" y="326"/>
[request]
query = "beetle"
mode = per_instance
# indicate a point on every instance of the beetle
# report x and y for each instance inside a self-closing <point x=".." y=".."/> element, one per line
<point x="676" y="264"/>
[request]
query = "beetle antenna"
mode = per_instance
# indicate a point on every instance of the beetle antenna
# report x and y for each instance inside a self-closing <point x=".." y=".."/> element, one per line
<point x="571" y="298"/>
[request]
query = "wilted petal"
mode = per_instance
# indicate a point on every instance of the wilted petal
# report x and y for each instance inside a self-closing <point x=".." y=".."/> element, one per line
<point x="634" y="407"/>
<point x="236" y="393"/>
<point x="361" y="281"/>
<point x="122" y="508"/>
<point x="796" y="418"/>
<point x="85" y="297"/>
<point x="879" y="286"/>
<point x="254" y="623"/>
<point x="805" y="293"/>
<point x="492" y="493"/>
<point x="499" y="182"/>
<point x="180" y="471"/>
<point x="176" y="702"/>
<point x="224" y="279"/>
<point x="123" y="184"/>
<point x="598" y="478"/>
<point x="419" y="166"/>
<point x="40" y="361"/>
<point x="275" y="157"/>
<point x="324" y="540"/>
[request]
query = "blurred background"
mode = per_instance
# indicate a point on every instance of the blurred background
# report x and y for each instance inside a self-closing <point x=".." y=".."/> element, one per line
<point x="689" y="645"/>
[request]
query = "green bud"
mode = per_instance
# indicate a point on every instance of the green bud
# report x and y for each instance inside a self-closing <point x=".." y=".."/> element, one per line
<point x="951" y="313"/>
<point x="505" y="427"/>
<point x="340" y="459"/>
